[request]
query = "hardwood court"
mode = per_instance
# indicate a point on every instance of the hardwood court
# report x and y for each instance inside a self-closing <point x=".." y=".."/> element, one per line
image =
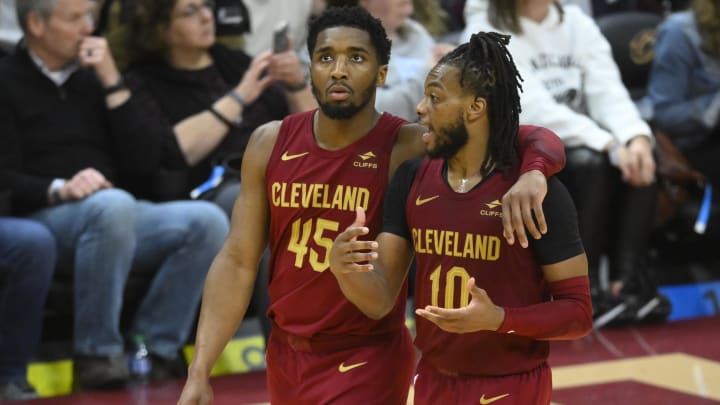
<point x="672" y="363"/>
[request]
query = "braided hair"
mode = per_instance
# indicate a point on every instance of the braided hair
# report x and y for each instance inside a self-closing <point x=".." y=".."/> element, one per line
<point x="488" y="71"/>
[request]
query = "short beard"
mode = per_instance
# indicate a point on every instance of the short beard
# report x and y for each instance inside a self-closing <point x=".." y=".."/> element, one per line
<point x="343" y="112"/>
<point x="456" y="135"/>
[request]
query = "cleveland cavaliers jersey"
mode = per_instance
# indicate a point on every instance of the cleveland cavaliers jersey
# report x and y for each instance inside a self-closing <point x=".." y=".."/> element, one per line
<point x="457" y="236"/>
<point x="312" y="194"/>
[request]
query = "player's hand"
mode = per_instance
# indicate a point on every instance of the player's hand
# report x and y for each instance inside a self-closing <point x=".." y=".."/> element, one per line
<point x="196" y="392"/>
<point x="522" y="207"/>
<point x="349" y="255"/>
<point x="480" y="314"/>
<point x="83" y="184"/>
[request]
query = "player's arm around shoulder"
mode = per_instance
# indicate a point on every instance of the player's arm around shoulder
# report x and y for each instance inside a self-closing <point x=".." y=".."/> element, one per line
<point x="542" y="155"/>
<point x="230" y="281"/>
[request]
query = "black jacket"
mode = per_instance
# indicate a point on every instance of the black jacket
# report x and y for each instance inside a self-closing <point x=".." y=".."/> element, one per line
<point x="49" y="132"/>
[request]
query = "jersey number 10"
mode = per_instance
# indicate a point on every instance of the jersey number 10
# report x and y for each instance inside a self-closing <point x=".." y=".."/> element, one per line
<point x="456" y="275"/>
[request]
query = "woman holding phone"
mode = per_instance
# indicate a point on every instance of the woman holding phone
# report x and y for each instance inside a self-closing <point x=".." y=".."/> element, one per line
<point x="205" y="100"/>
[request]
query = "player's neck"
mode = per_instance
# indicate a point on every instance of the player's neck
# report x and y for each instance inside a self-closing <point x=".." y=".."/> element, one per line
<point x="333" y="134"/>
<point x="464" y="170"/>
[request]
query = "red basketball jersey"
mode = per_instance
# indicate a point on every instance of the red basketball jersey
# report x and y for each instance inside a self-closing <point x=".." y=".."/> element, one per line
<point x="457" y="236"/>
<point x="312" y="194"/>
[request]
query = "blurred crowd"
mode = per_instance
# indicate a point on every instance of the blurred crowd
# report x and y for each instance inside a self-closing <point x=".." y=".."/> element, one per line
<point x="123" y="125"/>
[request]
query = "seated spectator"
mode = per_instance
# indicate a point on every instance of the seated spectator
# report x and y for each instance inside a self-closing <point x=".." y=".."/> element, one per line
<point x="572" y="86"/>
<point x="206" y="99"/>
<point x="70" y="132"/>
<point x="27" y="260"/>
<point x="684" y="85"/>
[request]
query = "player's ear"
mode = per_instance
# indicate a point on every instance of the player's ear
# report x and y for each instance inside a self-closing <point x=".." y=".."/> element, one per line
<point x="381" y="76"/>
<point x="477" y="109"/>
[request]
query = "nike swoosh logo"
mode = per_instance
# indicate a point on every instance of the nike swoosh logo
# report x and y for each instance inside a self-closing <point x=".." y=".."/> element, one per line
<point x="285" y="157"/>
<point x="344" y="369"/>
<point x="485" y="401"/>
<point x="420" y="201"/>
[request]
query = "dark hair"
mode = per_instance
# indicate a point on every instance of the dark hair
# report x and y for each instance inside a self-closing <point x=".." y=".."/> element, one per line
<point x="147" y="23"/>
<point x="354" y="17"/>
<point x="503" y="15"/>
<point x="488" y="71"/>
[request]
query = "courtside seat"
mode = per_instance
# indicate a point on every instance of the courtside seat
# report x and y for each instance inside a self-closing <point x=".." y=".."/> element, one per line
<point x="632" y="38"/>
<point x="675" y="244"/>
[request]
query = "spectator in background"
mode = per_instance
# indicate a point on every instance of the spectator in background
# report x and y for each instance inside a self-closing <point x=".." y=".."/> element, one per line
<point x="684" y="86"/>
<point x="70" y="132"/>
<point x="573" y="87"/>
<point x="27" y="260"/>
<point x="205" y="99"/>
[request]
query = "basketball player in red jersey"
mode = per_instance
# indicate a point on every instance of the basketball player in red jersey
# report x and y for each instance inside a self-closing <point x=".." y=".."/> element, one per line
<point x="486" y="309"/>
<point x="302" y="178"/>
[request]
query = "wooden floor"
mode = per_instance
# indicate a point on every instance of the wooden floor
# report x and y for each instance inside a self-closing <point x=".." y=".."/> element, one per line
<point x="672" y="363"/>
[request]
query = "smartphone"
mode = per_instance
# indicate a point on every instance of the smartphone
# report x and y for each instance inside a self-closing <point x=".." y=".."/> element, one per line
<point x="280" y="37"/>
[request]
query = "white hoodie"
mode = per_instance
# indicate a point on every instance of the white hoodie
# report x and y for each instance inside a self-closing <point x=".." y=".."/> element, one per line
<point x="571" y="82"/>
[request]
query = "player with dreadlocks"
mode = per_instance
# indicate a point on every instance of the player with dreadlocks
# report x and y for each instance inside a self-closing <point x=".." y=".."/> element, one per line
<point x="486" y="309"/>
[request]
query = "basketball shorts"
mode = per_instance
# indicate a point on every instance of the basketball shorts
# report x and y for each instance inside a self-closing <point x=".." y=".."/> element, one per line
<point x="439" y="388"/>
<point x="378" y="371"/>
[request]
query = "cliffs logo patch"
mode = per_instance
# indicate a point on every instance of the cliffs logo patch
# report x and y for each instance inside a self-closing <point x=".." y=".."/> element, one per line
<point x="367" y="161"/>
<point x="492" y="210"/>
